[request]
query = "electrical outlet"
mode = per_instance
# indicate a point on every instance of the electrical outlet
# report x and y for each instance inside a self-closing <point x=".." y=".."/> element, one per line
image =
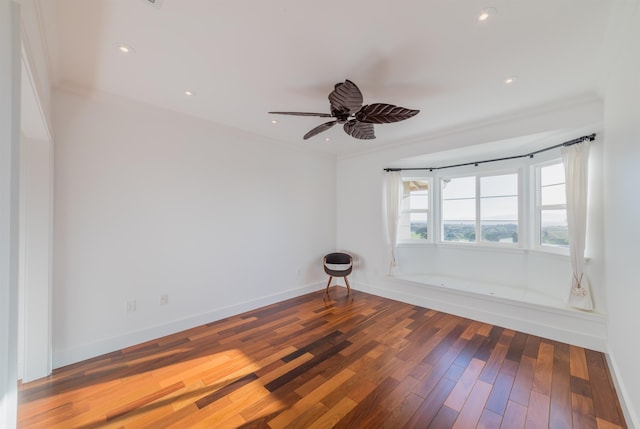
<point x="164" y="299"/>
<point x="131" y="306"/>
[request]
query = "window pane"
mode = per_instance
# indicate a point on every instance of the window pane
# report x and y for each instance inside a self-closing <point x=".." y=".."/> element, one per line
<point x="506" y="184"/>
<point x="553" y="194"/>
<point x="553" y="228"/>
<point x="459" y="209"/>
<point x="414" y="213"/>
<point x="454" y="210"/>
<point x="415" y="194"/>
<point x="419" y="201"/>
<point x="499" y="208"/>
<point x="461" y="187"/>
<point x="459" y="231"/>
<point x="413" y="226"/>
<point x="500" y="232"/>
<point x="552" y="174"/>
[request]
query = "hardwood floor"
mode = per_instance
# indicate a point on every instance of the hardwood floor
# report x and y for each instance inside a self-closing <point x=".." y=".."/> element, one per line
<point x="346" y="362"/>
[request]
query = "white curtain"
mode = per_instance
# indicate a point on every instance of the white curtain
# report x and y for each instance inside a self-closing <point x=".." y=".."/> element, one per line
<point x="392" y="197"/>
<point x="576" y="161"/>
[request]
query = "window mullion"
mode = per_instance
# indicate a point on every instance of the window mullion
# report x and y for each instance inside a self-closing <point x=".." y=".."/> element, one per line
<point x="478" y="214"/>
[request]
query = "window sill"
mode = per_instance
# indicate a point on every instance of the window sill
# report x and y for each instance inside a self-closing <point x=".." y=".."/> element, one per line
<point x="483" y="247"/>
<point x="416" y="244"/>
<point x="552" y="253"/>
<point x="466" y="246"/>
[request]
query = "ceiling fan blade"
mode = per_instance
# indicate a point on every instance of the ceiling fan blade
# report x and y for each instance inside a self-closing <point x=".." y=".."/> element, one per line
<point x="345" y="98"/>
<point x="322" y="115"/>
<point x="359" y="130"/>
<point x="320" y="128"/>
<point x="381" y="113"/>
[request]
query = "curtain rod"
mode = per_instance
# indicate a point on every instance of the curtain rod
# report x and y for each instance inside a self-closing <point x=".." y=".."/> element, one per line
<point x="590" y="137"/>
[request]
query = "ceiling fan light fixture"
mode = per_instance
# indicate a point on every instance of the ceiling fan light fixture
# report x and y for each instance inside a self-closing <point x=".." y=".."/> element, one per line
<point x="486" y="13"/>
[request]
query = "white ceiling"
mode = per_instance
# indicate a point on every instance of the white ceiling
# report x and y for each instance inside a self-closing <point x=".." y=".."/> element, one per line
<point x="244" y="58"/>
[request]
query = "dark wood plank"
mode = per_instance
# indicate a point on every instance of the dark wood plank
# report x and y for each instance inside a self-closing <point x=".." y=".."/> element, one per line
<point x="306" y="366"/>
<point x="361" y="415"/>
<point x="514" y="416"/>
<point x="431" y="405"/>
<point x="399" y="417"/>
<point x="544" y="369"/>
<point x="445" y="418"/>
<point x="538" y="411"/>
<point x="489" y="420"/>
<point x="521" y="389"/>
<point x="581" y="387"/>
<point x="560" y="413"/>
<point x="489" y="344"/>
<point x="499" y="396"/>
<point x="496" y="358"/>
<point x="473" y="407"/>
<point x="516" y="347"/>
<point x="583" y="415"/>
<point x="604" y="396"/>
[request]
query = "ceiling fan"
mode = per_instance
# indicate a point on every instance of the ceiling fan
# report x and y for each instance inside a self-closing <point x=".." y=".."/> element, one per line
<point x="346" y="107"/>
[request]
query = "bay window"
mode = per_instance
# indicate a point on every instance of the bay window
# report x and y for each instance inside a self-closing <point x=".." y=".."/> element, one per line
<point x="521" y="206"/>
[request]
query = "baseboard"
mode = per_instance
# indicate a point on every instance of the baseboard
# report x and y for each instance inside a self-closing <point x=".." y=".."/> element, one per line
<point x="633" y="422"/>
<point x="86" y="351"/>
<point x="577" y="328"/>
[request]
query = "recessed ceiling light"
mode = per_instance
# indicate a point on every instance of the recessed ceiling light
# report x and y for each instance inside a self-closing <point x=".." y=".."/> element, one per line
<point x="486" y="13"/>
<point x="125" y="49"/>
<point x="189" y="93"/>
<point x="273" y="121"/>
<point x="327" y="139"/>
<point x="510" y="80"/>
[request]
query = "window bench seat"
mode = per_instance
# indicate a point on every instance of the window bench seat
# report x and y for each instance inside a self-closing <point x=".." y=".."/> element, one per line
<point x="514" y="293"/>
<point x="515" y="308"/>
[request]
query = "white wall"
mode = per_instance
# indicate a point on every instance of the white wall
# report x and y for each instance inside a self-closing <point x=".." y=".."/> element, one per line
<point x="36" y="207"/>
<point x="35" y="54"/>
<point x="622" y="209"/>
<point x="149" y="202"/>
<point x="9" y="189"/>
